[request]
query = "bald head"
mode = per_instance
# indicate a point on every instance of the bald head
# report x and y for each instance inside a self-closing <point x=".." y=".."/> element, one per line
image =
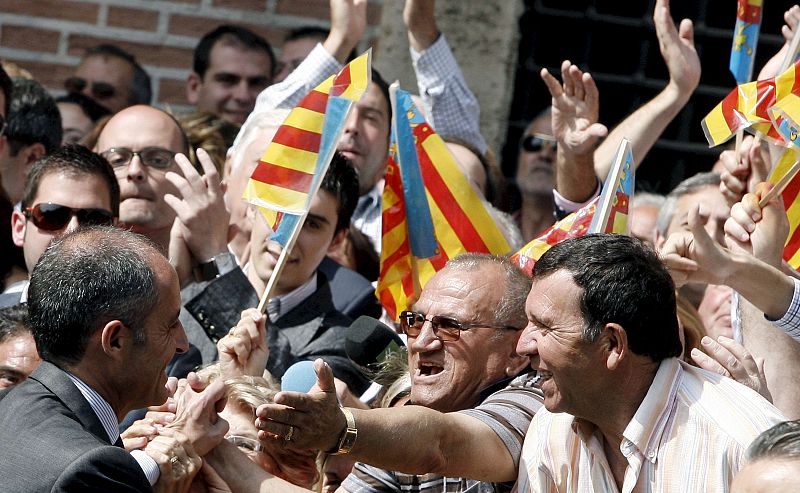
<point x="142" y="183"/>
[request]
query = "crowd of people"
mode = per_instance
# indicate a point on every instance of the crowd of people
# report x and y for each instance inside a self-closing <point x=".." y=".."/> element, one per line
<point x="133" y="357"/>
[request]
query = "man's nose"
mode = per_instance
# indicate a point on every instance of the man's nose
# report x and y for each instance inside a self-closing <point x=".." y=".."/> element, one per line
<point x="527" y="344"/>
<point x="136" y="169"/>
<point x="73" y="224"/>
<point x="181" y="341"/>
<point x="426" y="340"/>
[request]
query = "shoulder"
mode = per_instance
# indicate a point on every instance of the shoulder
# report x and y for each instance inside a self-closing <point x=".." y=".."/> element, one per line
<point x="105" y="468"/>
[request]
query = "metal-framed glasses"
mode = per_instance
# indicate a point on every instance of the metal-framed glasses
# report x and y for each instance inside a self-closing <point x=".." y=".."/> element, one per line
<point x="152" y="157"/>
<point x="245" y="443"/>
<point x="447" y="329"/>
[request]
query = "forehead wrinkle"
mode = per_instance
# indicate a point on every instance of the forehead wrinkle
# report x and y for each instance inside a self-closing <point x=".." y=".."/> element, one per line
<point x="465" y="295"/>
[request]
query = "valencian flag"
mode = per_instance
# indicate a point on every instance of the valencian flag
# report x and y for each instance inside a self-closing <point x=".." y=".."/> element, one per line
<point x="419" y="236"/>
<point x="747" y="107"/>
<point x="745" y="39"/>
<point x="607" y="213"/>
<point x="289" y="173"/>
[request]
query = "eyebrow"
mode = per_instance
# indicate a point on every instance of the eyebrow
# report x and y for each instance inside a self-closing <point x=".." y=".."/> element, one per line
<point x="317" y="217"/>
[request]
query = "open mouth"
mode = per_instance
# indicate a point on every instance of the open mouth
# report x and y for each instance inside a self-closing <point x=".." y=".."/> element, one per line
<point x="429" y="369"/>
<point x="541" y="377"/>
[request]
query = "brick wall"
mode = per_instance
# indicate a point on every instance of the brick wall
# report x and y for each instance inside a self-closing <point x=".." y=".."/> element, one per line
<point x="48" y="37"/>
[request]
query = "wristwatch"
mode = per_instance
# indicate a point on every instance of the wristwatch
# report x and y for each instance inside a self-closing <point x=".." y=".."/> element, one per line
<point x="349" y="435"/>
<point x="220" y="264"/>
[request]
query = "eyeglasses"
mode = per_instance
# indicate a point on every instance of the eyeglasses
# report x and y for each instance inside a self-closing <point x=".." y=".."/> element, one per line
<point x="54" y="217"/>
<point x="153" y="157"/>
<point x="445" y="328"/>
<point x="247" y="443"/>
<point x="99" y="90"/>
<point x="535" y="142"/>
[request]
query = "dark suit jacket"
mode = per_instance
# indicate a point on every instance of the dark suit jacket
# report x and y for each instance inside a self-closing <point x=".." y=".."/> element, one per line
<point x="314" y="328"/>
<point x="51" y="440"/>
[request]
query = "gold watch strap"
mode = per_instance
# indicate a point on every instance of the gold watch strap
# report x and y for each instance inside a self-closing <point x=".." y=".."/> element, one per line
<point x="348" y="438"/>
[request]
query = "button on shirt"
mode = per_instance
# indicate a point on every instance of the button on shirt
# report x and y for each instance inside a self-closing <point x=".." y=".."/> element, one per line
<point x="688" y="435"/>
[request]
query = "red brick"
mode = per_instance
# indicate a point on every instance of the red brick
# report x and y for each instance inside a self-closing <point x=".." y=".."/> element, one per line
<point x="60" y="9"/>
<point x="259" y="5"/>
<point x="155" y="54"/>
<point x="50" y="75"/>
<point x="30" y="38"/>
<point x="172" y="91"/>
<point x="189" y="25"/>
<point x="146" y="20"/>
<point x="321" y="10"/>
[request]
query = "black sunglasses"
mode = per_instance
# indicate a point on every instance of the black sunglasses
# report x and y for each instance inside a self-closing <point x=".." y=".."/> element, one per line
<point x="535" y="142"/>
<point x="54" y="217"/>
<point x="445" y="328"/>
<point x="153" y="157"/>
<point x="99" y="90"/>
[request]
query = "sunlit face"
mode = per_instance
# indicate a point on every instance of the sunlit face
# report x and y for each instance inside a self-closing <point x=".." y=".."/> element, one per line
<point x="164" y="336"/>
<point x="536" y="170"/>
<point x="313" y="242"/>
<point x="365" y="141"/>
<point x="643" y="223"/>
<point x="449" y="376"/>
<point x="569" y="367"/>
<point x="18" y="359"/>
<point x="111" y="70"/>
<point x="142" y="188"/>
<point x="74" y="122"/>
<point x="715" y="311"/>
<point x="713" y="202"/>
<point x="77" y="191"/>
<point x="232" y="82"/>
<point x="770" y="475"/>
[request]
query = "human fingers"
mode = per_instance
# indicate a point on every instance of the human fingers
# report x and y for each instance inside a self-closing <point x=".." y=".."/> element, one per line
<point x="576" y="79"/>
<point x="210" y="173"/>
<point x="569" y="88"/>
<point x="706" y="362"/>
<point x="552" y="84"/>
<point x="747" y="364"/>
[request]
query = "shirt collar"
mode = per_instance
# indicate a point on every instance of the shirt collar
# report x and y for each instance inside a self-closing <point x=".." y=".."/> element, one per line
<point x="296" y="296"/>
<point x="645" y="430"/>
<point x="100" y="407"/>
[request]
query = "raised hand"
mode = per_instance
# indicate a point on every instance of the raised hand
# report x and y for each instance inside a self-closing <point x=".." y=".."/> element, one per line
<point x="741" y="177"/>
<point x="730" y="359"/>
<point x="677" y="49"/>
<point x="761" y="232"/>
<point x="196" y="413"/>
<point x="244" y="351"/>
<point x="348" y="23"/>
<point x="420" y="19"/>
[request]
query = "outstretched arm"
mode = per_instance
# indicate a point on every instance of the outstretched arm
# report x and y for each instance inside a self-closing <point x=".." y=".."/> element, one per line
<point x="645" y="125"/>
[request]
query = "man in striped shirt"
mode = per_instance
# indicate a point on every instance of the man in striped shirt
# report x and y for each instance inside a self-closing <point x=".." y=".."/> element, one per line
<point x="622" y="413"/>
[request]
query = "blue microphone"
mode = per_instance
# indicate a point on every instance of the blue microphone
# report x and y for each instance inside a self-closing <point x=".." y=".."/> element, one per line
<point x="300" y="377"/>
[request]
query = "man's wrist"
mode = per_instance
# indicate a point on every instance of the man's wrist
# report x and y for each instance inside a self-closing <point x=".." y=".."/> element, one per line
<point x="347" y="437"/>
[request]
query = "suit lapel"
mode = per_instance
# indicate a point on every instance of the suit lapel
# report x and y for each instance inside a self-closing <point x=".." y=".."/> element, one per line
<point x="56" y="381"/>
<point x="303" y="322"/>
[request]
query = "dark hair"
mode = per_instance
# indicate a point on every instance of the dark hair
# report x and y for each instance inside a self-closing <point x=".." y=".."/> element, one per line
<point x="782" y="441"/>
<point x="14" y="321"/>
<point x="306" y="32"/>
<point x="384" y="87"/>
<point x="341" y="181"/>
<point x="89" y="106"/>
<point x="623" y="282"/>
<point x="141" y="88"/>
<point x="6" y="88"/>
<point x="73" y="160"/>
<point x="235" y="35"/>
<point x="84" y="280"/>
<point x="32" y="118"/>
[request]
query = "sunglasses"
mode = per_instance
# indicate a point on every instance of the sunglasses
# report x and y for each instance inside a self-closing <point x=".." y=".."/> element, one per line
<point x="99" y="90"/>
<point x="535" y="142"/>
<point x="152" y="157"/>
<point x="445" y="328"/>
<point x="55" y="217"/>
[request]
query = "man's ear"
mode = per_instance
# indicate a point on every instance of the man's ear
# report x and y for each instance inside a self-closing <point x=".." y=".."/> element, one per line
<point x="18" y="225"/>
<point x="114" y="338"/>
<point x="337" y="240"/>
<point x="33" y="153"/>
<point x="193" y="83"/>
<point x="614" y="343"/>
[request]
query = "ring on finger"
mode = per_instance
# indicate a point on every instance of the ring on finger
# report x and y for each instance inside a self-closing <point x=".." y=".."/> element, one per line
<point x="174" y="460"/>
<point x="290" y="434"/>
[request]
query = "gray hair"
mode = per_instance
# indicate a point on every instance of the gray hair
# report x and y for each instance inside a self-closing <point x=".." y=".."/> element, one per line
<point x="511" y="308"/>
<point x="782" y="441"/>
<point x="84" y="280"/>
<point x="647" y="198"/>
<point x="687" y="186"/>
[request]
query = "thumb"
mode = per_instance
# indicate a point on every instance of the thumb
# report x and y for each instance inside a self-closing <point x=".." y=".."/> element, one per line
<point x="697" y="222"/>
<point x="325" y="381"/>
<point x="686" y="30"/>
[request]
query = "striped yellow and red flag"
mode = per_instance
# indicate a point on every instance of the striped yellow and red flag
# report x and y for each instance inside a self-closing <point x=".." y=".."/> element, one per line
<point x="572" y="226"/>
<point x="461" y="221"/>
<point x="791" y="201"/>
<point x="283" y="178"/>
<point x="747" y="107"/>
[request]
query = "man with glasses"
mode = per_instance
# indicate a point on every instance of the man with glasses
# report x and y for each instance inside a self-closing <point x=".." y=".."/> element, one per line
<point x="67" y="189"/>
<point x="112" y="77"/>
<point x="462" y="335"/>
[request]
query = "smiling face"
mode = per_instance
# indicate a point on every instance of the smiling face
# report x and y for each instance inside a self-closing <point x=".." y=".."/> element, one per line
<point x="365" y="141"/>
<point x="313" y="243"/>
<point x="449" y="376"/>
<point x="232" y="82"/>
<point x="142" y="188"/>
<point x="568" y="366"/>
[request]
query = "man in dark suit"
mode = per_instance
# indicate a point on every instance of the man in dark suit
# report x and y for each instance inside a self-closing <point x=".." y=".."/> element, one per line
<point x="104" y="307"/>
<point x="304" y="324"/>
